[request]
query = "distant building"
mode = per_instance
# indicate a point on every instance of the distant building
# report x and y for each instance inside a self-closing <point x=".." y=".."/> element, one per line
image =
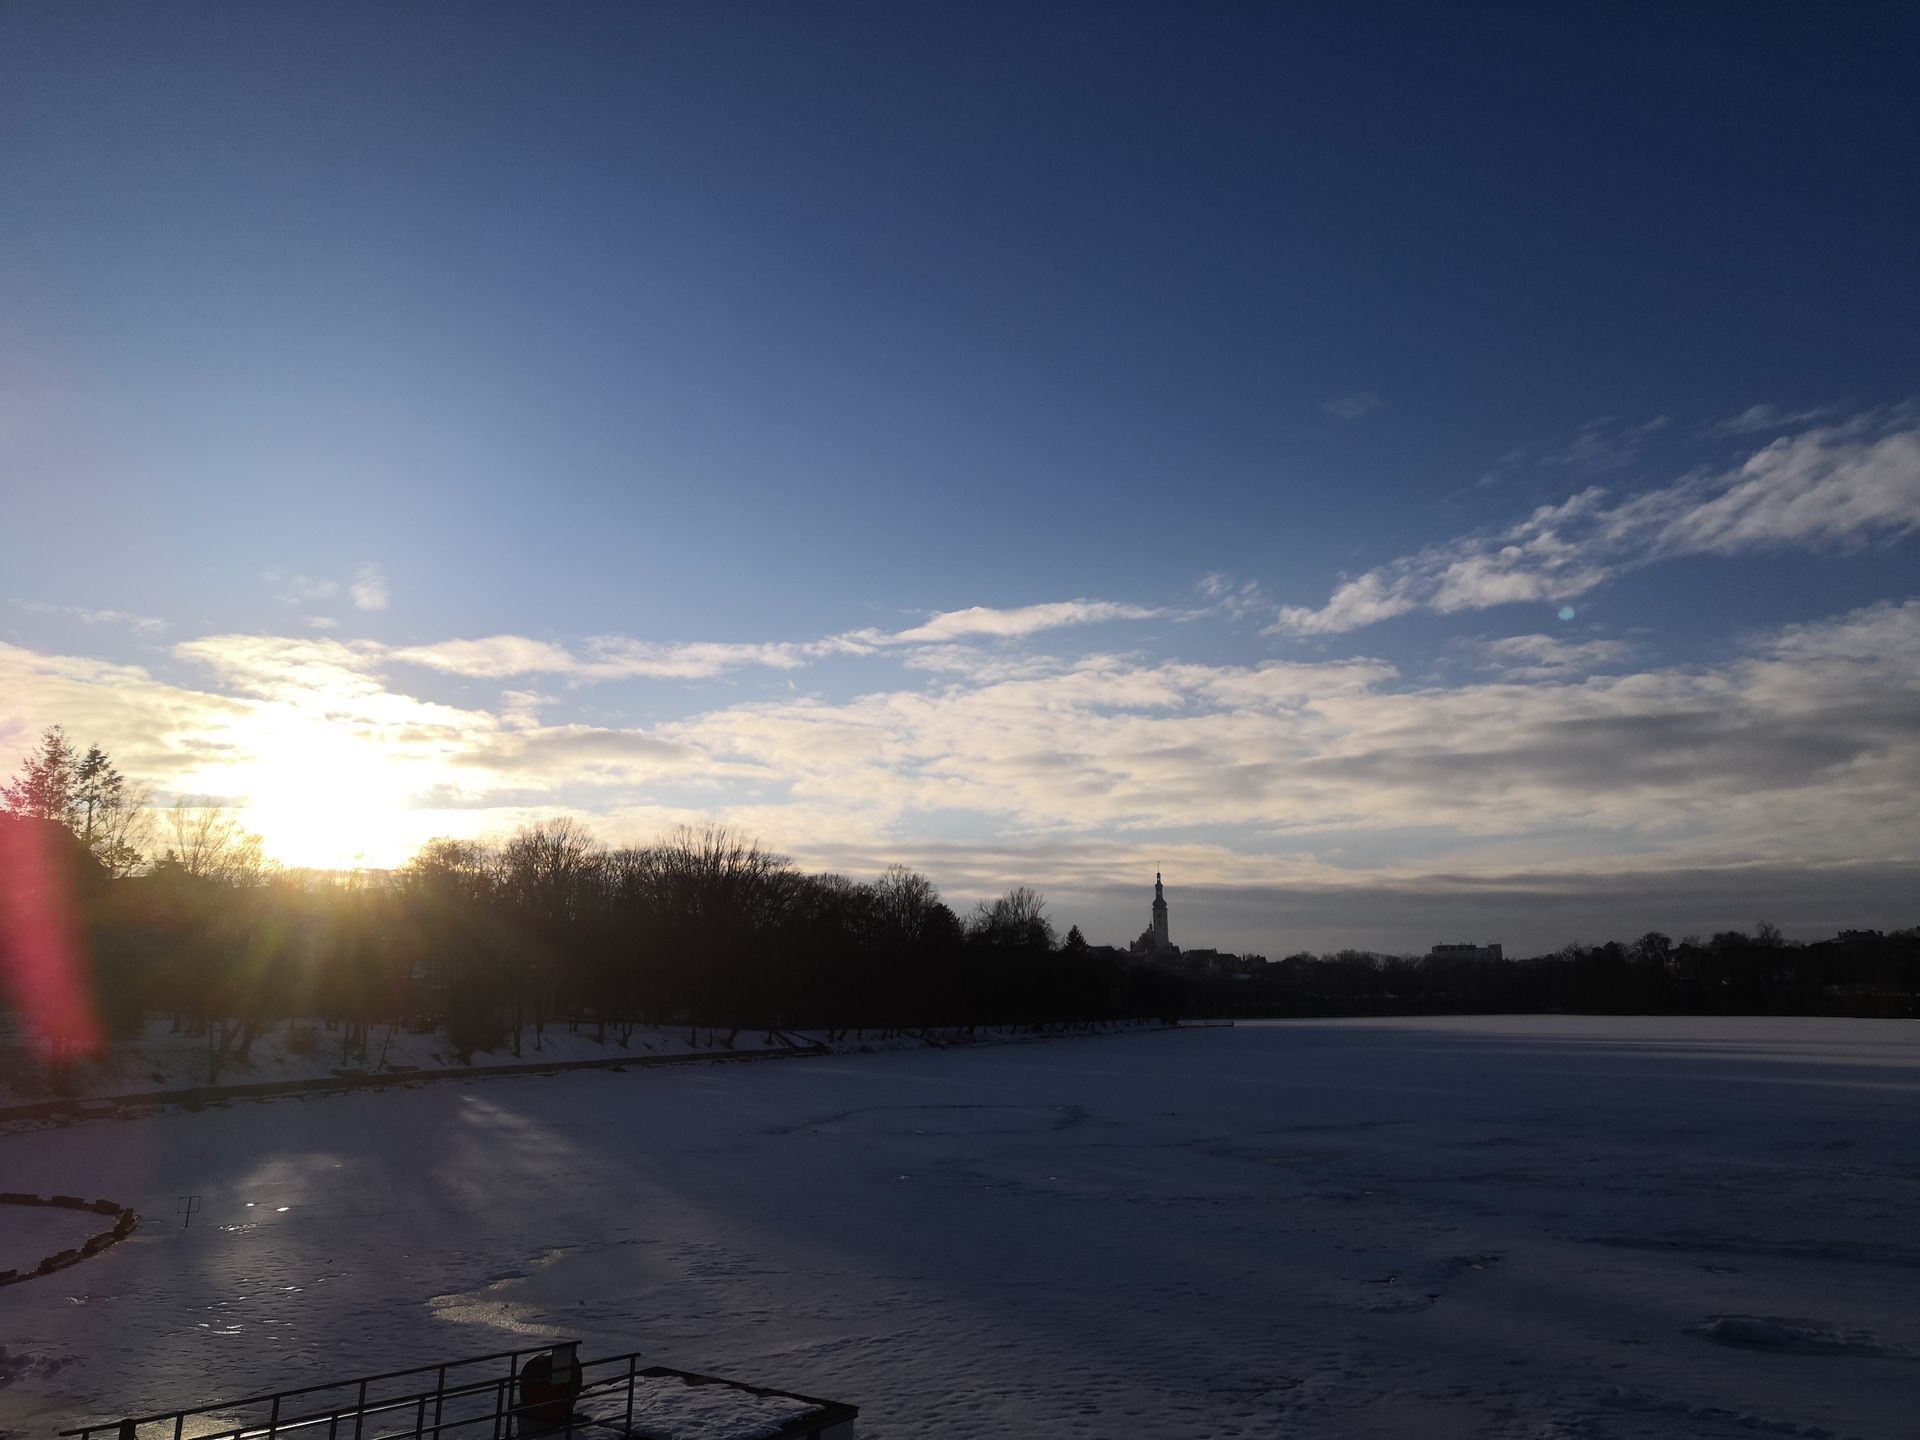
<point x="1155" y="943"/>
<point x="1467" y="951"/>
<point x="1154" y="940"/>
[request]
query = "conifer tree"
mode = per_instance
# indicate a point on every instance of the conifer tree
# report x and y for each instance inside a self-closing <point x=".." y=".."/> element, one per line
<point x="85" y="793"/>
<point x="43" y="790"/>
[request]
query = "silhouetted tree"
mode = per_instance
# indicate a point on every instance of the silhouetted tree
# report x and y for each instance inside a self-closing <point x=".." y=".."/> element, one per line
<point x="85" y="793"/>
<point x="43" y="788"/>
<point x="210" y="843"/>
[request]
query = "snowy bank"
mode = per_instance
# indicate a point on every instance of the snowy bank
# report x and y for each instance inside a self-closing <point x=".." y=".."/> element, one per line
<point x="168" y="1063"/>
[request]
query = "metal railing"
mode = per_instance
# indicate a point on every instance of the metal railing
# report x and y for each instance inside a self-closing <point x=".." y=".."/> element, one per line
<point x="481" y="1395"/>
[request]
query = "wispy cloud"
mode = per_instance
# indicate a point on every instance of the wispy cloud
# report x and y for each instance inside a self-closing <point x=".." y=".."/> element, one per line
<point x="1835" y="486"/>
<point x="1235" y="599"/>
<point x="1365" y="600"/>
<point x="1022" y="620"/>
<point x="1605" y="444"/>
<point x="1356" y="406"/>
<point x="1546" y="657"/>
<point x="369" y="588"/>
<point x="520" y="709"/>
<point x="1596" y="448"/>
<point x="139" y="624"/>
<point x="979" y="663"/>
<point x="618" y="657"/>
<point x="596" y="754"/>
<point x="1759" y="419"/>
<point x="300" y="589"/>
<point x="493" y="657"/>
<point x="612" y="657"/>
<point x="282" y="667"/>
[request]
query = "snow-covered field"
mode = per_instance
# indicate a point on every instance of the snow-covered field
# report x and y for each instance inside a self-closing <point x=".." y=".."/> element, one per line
<point x="1551" y="1228"/>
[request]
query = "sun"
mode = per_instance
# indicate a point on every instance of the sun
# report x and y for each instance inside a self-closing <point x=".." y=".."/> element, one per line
<point x="332" y="799"/>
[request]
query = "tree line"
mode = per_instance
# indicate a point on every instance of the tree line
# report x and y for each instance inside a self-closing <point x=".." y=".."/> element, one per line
<point x="497" y="942"/>
<point x="1733" y="972"/>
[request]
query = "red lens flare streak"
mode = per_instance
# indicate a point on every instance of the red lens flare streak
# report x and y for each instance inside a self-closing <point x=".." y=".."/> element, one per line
<point x="42" y="960"/>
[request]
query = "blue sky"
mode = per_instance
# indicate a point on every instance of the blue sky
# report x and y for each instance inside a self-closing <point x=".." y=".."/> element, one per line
<point x="1029" y="442"/>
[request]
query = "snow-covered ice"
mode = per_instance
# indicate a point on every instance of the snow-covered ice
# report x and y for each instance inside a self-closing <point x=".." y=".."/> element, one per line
<point x="30" y="1233"/>
<point x="669" y="1407"/>
<point x="1513" y="1227"/>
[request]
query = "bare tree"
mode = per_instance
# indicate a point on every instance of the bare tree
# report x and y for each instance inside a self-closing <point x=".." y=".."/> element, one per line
<point x="210" y="843"/>
<point x="1017" y="919"/>
<point x="545" y="872"/>
<point x="110" y="815"/>
<point x="719" y="898"/>
<point x="908" y="903"/>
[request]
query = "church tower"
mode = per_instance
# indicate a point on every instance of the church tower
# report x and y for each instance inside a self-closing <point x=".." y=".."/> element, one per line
<point x="1160" y="942"/>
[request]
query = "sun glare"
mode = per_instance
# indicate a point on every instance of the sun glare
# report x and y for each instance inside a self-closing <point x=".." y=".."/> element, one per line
<point x="326" y="800"/>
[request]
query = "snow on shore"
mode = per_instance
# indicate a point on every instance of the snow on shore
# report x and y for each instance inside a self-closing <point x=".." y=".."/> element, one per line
<point x="1516" y="1228"/>
<point x="162" y="1058"/>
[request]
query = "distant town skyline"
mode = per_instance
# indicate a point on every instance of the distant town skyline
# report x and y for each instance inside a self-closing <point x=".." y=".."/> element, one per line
<point x="1408" y="476"/>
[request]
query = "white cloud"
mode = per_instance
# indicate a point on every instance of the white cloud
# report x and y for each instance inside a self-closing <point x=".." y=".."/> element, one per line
<point x="978" y="664"/>
<point x="1887" y="634"/>
<point x="492" y="658"/>
<point x="1366" y="600"/>
<point x="1547" y="657"/>
<point x="1835" y="486"/>
<point x="1023" y="620"/>
<point x="617" y="657"/>
<point x="520" y="709"/>
<point x="1813" y="488"/>
<point x="554" y="754"/>
<point x="281" y="667"/>
<point x="369" y="588"/>
<point x="1802" y="750"/>
<point x="1651" y="759"/>
<point x="607" y="657"/>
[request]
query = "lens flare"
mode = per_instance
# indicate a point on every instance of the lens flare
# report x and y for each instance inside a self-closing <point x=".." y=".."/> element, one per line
<point x="42" y="961"/>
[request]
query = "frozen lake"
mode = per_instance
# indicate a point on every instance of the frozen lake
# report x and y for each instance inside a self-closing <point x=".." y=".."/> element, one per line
<point x="1550" y="1228"/>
